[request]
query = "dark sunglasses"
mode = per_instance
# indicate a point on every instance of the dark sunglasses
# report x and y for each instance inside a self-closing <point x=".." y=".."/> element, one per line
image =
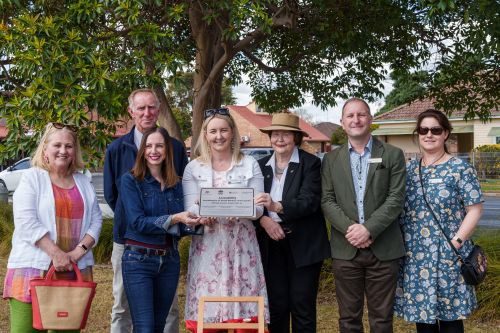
<point x="72" y="128"/>
<point x="212" y="112"/>
<point x="434" y="130"/>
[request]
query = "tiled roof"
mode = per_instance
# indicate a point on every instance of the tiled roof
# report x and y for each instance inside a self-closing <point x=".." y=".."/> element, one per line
<point x="411" y="110"/>
<point x="261" y="120"/>
<point x="327" y="128"/>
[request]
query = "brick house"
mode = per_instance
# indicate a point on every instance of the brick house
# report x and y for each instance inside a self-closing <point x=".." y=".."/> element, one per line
<point x="250" y="118"/>
<point x="396" y="127"/>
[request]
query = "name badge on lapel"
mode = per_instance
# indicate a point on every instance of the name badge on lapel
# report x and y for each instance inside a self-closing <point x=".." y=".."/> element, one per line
<point x="435" y="180"/>
<point x="375" y="160"/>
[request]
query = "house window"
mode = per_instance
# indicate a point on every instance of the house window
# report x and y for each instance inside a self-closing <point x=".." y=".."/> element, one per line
<point x="498" y="140"/>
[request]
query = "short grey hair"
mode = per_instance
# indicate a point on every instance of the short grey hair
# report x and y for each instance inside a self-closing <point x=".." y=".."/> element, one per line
<point x="142" y="90"/>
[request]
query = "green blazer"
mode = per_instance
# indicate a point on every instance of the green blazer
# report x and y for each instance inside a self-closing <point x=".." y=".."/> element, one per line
<point x="383" y="200"/>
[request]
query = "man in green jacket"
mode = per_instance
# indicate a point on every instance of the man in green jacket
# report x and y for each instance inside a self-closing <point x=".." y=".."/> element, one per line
<point x="363" y="188"/>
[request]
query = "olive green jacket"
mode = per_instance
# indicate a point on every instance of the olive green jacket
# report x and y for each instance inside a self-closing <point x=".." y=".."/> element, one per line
<point x="383" y="200"/>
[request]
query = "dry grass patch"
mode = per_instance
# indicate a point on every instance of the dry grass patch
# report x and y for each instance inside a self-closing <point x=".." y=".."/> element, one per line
<point x="100" y="315"/>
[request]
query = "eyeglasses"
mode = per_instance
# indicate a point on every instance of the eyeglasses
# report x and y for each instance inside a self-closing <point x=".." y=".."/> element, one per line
<point x="434" y="130"/>
<point x="72" y="128"/>
<point x="212" y="112"/>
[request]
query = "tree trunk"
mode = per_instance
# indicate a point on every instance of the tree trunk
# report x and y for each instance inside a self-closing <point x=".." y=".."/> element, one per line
<point x="166" y="117"/>
<point x="209" y="68"/>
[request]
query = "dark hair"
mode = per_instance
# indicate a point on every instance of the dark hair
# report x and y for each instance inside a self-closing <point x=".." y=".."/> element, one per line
<point x="441" y="119"/>
<point x="298" y="137"/>
<point x="168" y="174"/>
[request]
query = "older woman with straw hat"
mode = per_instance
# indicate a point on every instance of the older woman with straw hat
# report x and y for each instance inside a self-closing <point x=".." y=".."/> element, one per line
<point x="292" y="233"/>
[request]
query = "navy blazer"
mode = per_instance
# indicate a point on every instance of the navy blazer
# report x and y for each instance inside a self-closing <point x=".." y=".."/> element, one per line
<point x="301" y="202"/>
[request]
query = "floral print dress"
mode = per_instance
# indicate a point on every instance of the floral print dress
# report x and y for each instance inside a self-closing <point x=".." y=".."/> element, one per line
<point x="430" y="286"/>
<point x="225" y="261"/>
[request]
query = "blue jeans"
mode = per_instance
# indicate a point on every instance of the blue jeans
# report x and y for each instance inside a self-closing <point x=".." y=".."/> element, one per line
<point x="150" y="283"/>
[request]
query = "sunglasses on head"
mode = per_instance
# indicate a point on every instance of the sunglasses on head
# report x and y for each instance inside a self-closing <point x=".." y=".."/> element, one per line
<point x="72" y="128"/>
<point x="434" y="130"/>
<point x="212" y="112"/>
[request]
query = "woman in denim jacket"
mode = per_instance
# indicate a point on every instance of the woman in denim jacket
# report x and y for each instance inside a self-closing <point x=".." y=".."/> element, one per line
<point x="153" y="201"/>
<point x="225" y="261"/>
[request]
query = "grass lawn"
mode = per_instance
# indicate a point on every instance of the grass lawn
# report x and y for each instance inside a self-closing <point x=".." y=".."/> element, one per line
<point x="492" y="185"/>
<point x="99" y="318"/>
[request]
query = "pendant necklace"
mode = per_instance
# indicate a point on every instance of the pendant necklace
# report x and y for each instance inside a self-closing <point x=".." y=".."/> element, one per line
<point x="435" y="161"/>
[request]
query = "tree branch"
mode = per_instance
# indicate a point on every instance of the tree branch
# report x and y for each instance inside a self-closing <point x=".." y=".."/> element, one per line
<point x="7" y="93"/>
<point x="14" y="82"/>
<point x="438" y="41"/>
<point x="7" y="61"/>
<point x="284" y="16"/>
<point x="268" y="68"/>
<point x="124" y="32"/>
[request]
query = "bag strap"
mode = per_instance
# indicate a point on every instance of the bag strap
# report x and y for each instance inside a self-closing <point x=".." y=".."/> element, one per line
<point x="52" y="270"/>
<point x="432" y="211"/>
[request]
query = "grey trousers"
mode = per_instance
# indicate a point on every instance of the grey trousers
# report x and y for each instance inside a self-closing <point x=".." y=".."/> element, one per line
<point x="121" y="321"/>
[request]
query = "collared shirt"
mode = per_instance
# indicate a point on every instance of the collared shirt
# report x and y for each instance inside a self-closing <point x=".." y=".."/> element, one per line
<point x="278" y="184"/>
<point x="137" y="137"/>
<point x="359" y="170"/>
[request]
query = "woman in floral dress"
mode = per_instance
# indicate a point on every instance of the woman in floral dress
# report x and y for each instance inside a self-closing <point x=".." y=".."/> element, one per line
<point x="431" y="291"/>
<point x="225" y="261"/>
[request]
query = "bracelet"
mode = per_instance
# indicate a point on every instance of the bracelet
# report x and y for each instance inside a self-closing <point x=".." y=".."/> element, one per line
<point x="458" y="240"/>
<point x="85" y="249"/>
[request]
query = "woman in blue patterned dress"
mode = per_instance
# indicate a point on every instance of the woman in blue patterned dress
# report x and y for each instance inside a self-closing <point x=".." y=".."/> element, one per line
<point x="431" y="291"/>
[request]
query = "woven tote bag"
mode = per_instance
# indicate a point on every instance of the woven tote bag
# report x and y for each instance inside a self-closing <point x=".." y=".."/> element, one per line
<point x="61" y="304"/>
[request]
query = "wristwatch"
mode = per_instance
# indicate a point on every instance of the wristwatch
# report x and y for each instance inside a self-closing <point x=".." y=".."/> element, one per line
<point x="85" y="248"/>
<point x="458" y="240"/>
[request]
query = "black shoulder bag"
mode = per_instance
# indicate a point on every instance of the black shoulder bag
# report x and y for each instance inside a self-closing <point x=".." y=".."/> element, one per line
<point x="473" y="267"/>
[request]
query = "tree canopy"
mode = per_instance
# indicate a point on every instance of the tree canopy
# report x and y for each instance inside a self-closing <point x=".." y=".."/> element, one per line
<point x="76" y="61"/>
<point x="407" y="88"/>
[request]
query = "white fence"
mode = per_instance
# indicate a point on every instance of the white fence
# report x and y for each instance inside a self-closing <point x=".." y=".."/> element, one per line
<point x="487" y="164"/>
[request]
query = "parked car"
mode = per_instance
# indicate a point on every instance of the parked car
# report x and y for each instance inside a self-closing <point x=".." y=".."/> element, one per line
<point x="257" y="153"/>
<point x="11" y="176"/>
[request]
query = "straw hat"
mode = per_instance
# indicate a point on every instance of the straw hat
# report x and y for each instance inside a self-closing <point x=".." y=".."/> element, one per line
<point x="284" y="122"/>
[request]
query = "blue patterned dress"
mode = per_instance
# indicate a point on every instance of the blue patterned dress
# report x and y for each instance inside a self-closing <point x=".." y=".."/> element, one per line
<point x="430" y="286"/>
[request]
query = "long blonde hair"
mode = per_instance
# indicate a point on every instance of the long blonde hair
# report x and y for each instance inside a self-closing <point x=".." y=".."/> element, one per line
<point x="202" y="148"/>
<point x="39" y="160"/>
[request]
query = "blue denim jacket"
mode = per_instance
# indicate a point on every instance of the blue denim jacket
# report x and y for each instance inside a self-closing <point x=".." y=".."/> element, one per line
<point x="120" y="158"/>
<point x="148" y="209"/>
